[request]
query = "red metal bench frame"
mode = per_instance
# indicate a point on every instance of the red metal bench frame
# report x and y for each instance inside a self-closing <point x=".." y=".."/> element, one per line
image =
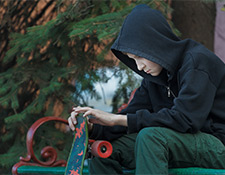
<point x="49" y="153"/>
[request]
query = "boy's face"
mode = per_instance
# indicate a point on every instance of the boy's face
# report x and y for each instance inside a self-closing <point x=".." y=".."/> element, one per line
<point x="146" y="65"/>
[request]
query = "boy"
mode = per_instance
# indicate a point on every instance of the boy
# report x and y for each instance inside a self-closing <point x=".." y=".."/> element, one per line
<point x="177" y="116"/>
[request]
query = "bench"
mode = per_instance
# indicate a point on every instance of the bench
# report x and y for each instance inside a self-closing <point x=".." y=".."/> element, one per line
<point x="31" y="165"/>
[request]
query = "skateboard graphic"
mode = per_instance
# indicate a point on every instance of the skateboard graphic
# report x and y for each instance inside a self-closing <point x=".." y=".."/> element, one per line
<point x="79" y="148"/>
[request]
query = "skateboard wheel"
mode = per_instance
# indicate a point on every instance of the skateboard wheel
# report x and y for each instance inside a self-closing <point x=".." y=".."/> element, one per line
<point x="101" y="149"/>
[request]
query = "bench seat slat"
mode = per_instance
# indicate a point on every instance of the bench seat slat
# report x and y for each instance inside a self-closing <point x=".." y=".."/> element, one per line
<point x="173" y="171"/>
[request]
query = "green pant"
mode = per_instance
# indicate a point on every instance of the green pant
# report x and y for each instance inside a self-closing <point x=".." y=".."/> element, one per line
<point x="155" y="149"/>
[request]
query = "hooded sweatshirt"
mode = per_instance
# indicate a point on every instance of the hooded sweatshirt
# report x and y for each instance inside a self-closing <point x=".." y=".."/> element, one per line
<point x="187" y="96"/>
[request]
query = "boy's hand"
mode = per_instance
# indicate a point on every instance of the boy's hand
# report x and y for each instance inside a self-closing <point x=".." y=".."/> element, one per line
<point x="72" y="120"/>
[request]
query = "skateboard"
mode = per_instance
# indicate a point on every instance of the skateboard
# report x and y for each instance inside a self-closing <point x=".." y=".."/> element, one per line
<point x="81" y="145"/>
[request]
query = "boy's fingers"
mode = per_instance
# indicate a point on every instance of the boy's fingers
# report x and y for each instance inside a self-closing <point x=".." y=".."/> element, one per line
<point x="74" y="108"/>
<point x="73" y="117"/>
<point x="82" y="109"/>
<point x="87" y="113"/>
<point x="71" y="123"/>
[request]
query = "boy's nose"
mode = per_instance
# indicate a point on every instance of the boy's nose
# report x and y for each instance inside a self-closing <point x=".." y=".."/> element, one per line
<point x="140" y="66"/>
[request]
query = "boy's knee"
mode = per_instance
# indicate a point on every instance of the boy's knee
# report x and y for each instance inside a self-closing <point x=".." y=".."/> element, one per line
<point x="151" y="141"/>
<point x="151" y="134"/>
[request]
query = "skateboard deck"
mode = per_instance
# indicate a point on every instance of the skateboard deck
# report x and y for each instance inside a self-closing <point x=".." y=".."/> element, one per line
<point x="78" y="151"/>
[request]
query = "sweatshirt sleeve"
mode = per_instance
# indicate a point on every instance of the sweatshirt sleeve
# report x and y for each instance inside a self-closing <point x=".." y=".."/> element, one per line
<point x="190" y="109"/>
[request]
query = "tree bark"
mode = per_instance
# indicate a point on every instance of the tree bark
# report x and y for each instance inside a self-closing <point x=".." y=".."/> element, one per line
<point x="195" y="19"/>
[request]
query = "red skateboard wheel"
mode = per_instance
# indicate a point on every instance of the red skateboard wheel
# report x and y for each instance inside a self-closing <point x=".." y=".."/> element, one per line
<point x="101" y="149"/>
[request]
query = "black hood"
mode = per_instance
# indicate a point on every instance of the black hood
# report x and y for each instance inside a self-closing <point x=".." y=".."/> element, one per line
<point x="146" y="33"/>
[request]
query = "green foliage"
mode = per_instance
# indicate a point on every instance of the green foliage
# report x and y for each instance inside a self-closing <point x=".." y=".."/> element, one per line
<point x="48" y="135"/>
<point x="109" y="22"/>
<point x="8" y="158"/>
<point x="128" y="81"/>
<point x="58" y="62"/>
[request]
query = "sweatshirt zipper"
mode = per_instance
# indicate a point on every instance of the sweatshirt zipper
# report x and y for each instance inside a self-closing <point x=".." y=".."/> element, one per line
<point x="170" y="92"/>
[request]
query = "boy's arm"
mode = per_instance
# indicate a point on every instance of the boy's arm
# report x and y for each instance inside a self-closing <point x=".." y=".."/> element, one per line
<point x="111" y="126"/>
<point x="106" y="125"/>
<point x="101" y="117"/>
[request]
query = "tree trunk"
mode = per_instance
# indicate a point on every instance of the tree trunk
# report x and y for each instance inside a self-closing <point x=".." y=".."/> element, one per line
<point x="195" y="19"/>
